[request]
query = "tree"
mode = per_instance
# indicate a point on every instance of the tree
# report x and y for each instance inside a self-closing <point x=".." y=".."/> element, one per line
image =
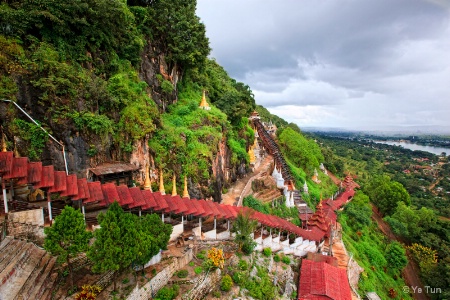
<point x="243" y="226"/>
<point x="359" y="211"/>
<point x="117" y="242"/>
<point x="154" y="236"/>
<point x="396" y="257"/>
<point x="67" y="237"/>
<point x="385" y="194"/>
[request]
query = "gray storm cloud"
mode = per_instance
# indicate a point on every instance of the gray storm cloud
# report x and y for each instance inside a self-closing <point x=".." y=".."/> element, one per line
<point x="338" y="63"/>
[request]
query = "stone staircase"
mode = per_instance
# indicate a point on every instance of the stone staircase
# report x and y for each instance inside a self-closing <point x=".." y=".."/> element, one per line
<point x="26" y="271"/>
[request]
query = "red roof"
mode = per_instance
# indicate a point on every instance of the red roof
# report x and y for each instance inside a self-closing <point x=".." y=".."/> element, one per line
<point x="182" y="208"/>
<point x="95" y="192"/>
<point x="150" y="202"/>
<point x="208" y="211"/>
<point x="19" y="168"/>
<point x="71" y="186"/>
<point x="60" y="182"/>
<point x="34" y="172"/>
<point x="6" y="159"/>
<point x="124" y="194"/>
<point x="83" y="190"/>
<point x="160" y="201"/>
<point x="319" y="280"/>
<point x="138" y="198"/>
<point x="47" y="178"/>
<point x="192" y="209"/>
<point x="200" y="211"/>
<point x="110" y="192"/>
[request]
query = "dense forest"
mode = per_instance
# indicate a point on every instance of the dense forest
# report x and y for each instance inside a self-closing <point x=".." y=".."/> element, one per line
<point x="410" y="190"/>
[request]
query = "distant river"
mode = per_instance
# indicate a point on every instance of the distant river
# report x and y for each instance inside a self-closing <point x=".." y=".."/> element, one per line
<point x="412" y="146"/>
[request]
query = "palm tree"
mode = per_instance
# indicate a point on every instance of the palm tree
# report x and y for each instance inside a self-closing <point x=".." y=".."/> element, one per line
<point x="243" y="226"/>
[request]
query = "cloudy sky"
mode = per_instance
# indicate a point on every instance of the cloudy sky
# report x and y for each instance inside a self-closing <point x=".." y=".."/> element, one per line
<point x="357" y="64"/>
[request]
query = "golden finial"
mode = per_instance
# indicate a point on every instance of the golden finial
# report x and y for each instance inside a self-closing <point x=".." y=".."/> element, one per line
<point x="148" y="182"/>
<point x="161" y="183"/>
<point x="4" y="142"/>
<point x="16" y="152"/>
<point x="185" y="192"/>
<point x="174" y="185"/>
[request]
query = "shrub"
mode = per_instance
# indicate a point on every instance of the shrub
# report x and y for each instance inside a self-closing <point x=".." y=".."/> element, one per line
<point x="286" y="260"/>
<point x="198" y="270"/>
<point x="167" y="293"/>
<point x="267" y="252"/>
<point x="217" y="294"/>
<point x="182" y="273"/>
<point x="238" y="277"/>
<point x="88" y="292"/>
<point x="276" y="258"/>
<point x="226" y="283"/>
<point x="243" y="265"/>
<point x="201" y="256"/>
<point x="191" y="264"/>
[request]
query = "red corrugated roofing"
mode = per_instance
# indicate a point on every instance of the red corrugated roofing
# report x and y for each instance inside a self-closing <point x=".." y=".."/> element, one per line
<point x="160" y="201"/>
<point x="215" y="211"/>
<point x="138" y="198"/>
<point x="227" y="211"/>
<point x="60" y="182"/>
<point x="34" y="172"/>
<point x="47" y="178"/>
<point x="6" y="159"/>
<point x="172" y="207"/>
<point x="95" y="192"/>
<point x="222" y="213"/>
<point x="19" y="168"/>
<point x="110" y="193"/>
<point x="208" y="211"/>
<point x="200" y="211"/>
<point x="192" y="210"/>
<point x="71" y="186"/>
<point x="150" y="202"/>
<point x="182" y="208"/>
<point x="83" y="190"/>
<point x="319" y="279"/>
<point x="124" y="194"/>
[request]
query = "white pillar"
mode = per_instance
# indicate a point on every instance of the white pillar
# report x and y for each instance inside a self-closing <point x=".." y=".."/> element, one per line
<point x="214" y="222"/>
<point x="5" y="199"/>
<point x="83" y="211"/>
<point x="162" y="216"/>
<point x="228" y="225"/>
<point x="182" y="219"/>
<point x="140" y="212"/>
<point x="49" y="203"/>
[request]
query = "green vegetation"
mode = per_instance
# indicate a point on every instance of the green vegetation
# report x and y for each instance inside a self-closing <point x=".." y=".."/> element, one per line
<point x="226" y="283"/>
<point x="244" y="226"/>
<point x="198" y="270"/>
<point x="182" y="273"/>
<point x="67" y="237"/>
<point x="286" y="260"/>
<point x="167" y="293"/>
<point x="401" y="183"/>
<point x="267" y="252"/>
<point x="124" y="238"/>
<point x="368" y="246"/>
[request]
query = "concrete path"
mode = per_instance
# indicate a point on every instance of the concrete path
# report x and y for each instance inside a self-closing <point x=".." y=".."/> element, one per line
<point x="241" y="187"/>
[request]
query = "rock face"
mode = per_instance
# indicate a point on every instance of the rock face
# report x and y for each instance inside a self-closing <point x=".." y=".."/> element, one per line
<point x="86" y="150"/>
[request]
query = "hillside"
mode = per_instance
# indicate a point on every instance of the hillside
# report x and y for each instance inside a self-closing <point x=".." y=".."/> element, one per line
<point x="109" y="79"/>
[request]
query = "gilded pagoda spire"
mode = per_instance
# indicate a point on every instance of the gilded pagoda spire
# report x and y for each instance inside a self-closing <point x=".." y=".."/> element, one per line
<point x="185" y="192"/>
<point x="174" y="185"/>
<point x="3" y="143"/>
<point x="161" y="183"/>
<point x="204" y="104"/>
<point x="148" y="182"/>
